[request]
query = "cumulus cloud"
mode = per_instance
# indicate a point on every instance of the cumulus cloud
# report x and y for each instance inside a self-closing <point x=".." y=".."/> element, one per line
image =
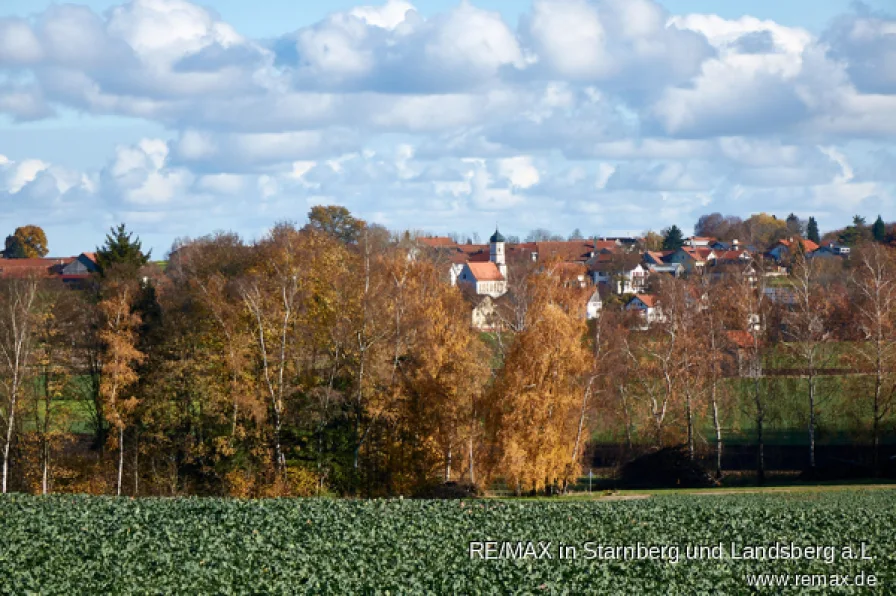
<point x="611" y="113"/>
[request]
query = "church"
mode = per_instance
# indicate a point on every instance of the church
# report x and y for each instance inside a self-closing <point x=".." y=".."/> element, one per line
<point x="489" y="278"/>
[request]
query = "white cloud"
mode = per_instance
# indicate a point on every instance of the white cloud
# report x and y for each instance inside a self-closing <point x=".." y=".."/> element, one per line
<point x="24" y="173"/>
<point x="388" y="16"/>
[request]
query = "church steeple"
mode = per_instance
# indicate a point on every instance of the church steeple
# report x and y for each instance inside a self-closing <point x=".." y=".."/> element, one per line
<point x="496" y="252"/>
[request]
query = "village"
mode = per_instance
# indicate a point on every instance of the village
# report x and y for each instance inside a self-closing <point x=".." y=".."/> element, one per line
<point x="620" y="268"/>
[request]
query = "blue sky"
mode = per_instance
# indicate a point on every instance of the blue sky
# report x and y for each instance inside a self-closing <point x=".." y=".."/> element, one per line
<point x="611" y="116"/>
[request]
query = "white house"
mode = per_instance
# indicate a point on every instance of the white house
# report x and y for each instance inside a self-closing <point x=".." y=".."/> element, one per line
<point x="647" y="305"/>
<point x="592" y="309"/>
<point x="623" y="279"/>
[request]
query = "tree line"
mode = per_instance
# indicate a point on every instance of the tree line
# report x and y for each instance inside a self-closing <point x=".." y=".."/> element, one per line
<point x="335" y="358"/>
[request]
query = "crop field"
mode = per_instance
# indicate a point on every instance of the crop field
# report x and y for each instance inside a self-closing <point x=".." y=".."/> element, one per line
<point x="78" y="545"/>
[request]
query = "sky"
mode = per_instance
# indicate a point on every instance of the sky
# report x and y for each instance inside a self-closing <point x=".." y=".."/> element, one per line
<point x="607" y="116"/>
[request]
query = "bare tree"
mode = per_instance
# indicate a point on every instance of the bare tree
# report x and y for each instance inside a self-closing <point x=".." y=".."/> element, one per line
<point x="874" y="284"/>
<point x="808" y="333"/>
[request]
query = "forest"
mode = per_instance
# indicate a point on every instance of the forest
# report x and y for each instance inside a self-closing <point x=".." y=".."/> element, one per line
<point x="335" y="358"/>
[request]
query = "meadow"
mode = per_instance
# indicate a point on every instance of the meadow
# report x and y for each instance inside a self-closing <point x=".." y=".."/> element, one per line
<point x="79" y="544"/>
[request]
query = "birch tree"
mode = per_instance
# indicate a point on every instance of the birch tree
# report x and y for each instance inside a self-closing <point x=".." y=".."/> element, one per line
<point x="18" y="299"/>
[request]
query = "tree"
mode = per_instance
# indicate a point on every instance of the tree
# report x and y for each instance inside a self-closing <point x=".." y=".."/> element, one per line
<point x="875" y="301"/>
<point x="26" y="242"/>
<point x="18" y="302"/>
<point x="808" y="332"/>
<point x="794" y="225"/>
<point x="652" y="241"/>
<point x="812" y="231"/>
<point x="121" y="251"/>
<point x="534" y="405"/>
<point x="879" y="230"/>
<point x="576" y="235"/>
<point x="335" y="221"/>
<point x="672" y="238"/>
<point x="119" y="336"/>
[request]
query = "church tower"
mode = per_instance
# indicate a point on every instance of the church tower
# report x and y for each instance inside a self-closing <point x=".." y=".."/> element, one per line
<point x="496" y="252"/>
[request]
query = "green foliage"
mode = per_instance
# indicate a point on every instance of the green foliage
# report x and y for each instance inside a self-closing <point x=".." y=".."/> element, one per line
<point x="121" y="250"/>
<point x="879" y="230"/>
<point x="812" y="231"/>
<point x="672" y="238"/>
<point x="84" y="545"/>
<point x="336" y="221"/>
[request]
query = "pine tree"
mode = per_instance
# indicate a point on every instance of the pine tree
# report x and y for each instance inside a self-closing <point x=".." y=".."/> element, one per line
<point x="794" y="225"/>
<point x="879" y="230"/>
<point x="120" y="249"/>
<point x="673" y="239"/>
<point x="812" y="231"/>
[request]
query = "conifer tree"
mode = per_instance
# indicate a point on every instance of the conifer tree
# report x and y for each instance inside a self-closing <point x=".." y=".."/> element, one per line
<point x="879" y="230"/>
<point x="121" y="249"/>
<point x="673" y="239"/>
<point x="812" y="231"/>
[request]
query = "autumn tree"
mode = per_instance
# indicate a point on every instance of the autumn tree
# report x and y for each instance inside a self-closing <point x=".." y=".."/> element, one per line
<point x="119" y="337"/>
<point x="336" y="221"/>
<point x="26" y="242"/>
<point x="535" y="402"/>
<point x="18" y="309"/>
<point x="53" y="330"/>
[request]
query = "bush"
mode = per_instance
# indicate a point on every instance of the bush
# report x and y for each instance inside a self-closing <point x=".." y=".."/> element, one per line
<point x="670" y="467"/>
<point x="449" y="490"/>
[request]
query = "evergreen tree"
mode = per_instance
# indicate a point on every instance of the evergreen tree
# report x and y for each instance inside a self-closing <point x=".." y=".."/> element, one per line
<point x="121" y="250"/>
<point x="812" y="231"/>
<point x="673" y="240"/>
<point x="794" y="225"/>
<point x="879" y="230"/>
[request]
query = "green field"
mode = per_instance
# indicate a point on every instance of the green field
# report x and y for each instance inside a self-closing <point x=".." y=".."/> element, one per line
<point x="77" y="545"/>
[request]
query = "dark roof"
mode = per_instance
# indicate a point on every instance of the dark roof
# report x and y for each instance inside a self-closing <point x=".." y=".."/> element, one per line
<point x="497" y="237"/>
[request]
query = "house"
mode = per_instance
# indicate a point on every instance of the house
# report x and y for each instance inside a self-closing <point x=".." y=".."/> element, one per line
<point x="782" y="249"/>
<point x="83" y="264"/>
<point x="647" y="305"/>
<point x="613" y="271"/>
<point x="484" y="315"/>
<point x="830" y="250"/>
<point x="593" y="306"/>
<point x="698" y="242"/>
<point x="652" y="257"/>
<point x="673" y="269"/>
<point x="692" y="258"/>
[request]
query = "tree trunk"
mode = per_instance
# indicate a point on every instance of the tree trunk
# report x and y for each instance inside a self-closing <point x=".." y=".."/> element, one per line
<point x="472" y="477"/>
<point x="812" y="417"/>
<point x="136" y="464"/>
<point x="760" y="417"/>
<point x="718" y="428"/>
<point x="448" y="465"/>
<point x="11" y="421"/>
<point x="120" y="459"/>
<point x="45" y="467"/>
<point x="689" y="413"/>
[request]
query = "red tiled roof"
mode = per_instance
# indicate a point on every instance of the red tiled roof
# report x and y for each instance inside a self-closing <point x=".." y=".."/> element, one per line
<point x="648" y="299"/>
<point x="24" y="267"/>
<point x="741" y="339"/>
<point x="485" y="271"/>
<point x="808" y="245"/>
<point x="433" y="241"/>
<point x="731" y="255"/>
